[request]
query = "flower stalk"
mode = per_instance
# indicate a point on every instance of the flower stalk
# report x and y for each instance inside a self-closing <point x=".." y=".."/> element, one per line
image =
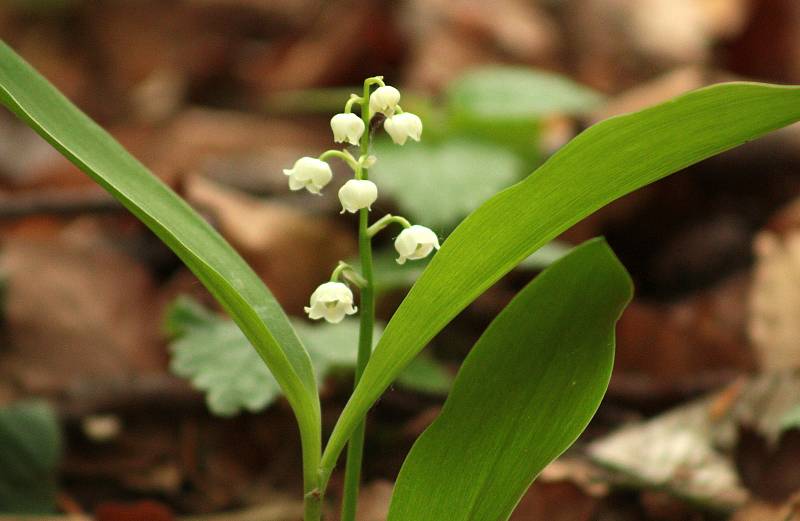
<point x="355" y="448"/>
<point x="333" y="300"/>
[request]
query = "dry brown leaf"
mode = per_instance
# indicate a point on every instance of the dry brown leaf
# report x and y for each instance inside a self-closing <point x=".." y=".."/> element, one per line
<point x="773" y="322"/>
<point x="658" y="90"/>
<point x="768" y="47"/>
<point x="446" y="37"/>
<point x="579" y="471"/>
<point x="759" y="511"/>
<point x="556" y="501"/>
<point x="333" y="45"/>
<point x="671" y="343"/>
<point x="373" y="501"/>
<point x="76" y="307"/>
<point x="689" y="451"/>
<point x="619" y="43"/>
<point x="674" y="451"/>
<point x="237" y="148"/>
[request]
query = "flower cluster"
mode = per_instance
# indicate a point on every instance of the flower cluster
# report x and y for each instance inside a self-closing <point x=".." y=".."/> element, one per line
<point x="333" y="300"/>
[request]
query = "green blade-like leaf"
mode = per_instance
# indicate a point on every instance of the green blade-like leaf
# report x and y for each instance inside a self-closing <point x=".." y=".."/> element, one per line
<point x="601" y="164"/>
<point x="524" y="394"/>
<point x="33" y="99"/>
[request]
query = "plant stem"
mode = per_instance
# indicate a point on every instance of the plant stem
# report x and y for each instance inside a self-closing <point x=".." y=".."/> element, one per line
<point x="355" y="447"/>
<point x="312" y="506"/>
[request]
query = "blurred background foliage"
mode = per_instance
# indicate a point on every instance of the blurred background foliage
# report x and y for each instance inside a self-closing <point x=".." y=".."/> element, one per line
<point x="218" y="96"/>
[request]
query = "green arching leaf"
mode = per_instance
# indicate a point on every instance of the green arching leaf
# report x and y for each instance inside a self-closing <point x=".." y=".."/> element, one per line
<point x="523" y="395"/>
<point x="211" y="352"/>
<point x="607" y="161"/>
<point x="30" y="450"/>
<point x="34" y="100"/>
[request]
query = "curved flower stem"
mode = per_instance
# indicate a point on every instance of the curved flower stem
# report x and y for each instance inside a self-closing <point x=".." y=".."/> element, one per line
<point x="339" y="270"/>
<point x="344" y="156"/>
<point x="345" y="270"/>
<point x="355" y="447"/>
<point x="369" y="82"/>
<point x="354" y="98"/>
<point x="385" y="221"/>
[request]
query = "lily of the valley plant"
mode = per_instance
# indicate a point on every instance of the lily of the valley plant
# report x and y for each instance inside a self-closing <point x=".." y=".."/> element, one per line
<point x="536" y="376"/>
<point x="333" y="300"/>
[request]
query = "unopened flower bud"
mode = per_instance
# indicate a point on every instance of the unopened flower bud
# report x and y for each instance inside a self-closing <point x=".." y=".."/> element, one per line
<point x="403" y="126"/>
<point x="356" y="194"/>
<point x="347" y="127"/>
<point x="309" y="173"/>
<point x="415" y="242"/>
<point x="384" y="99"/>
<point x="331" y="301"/>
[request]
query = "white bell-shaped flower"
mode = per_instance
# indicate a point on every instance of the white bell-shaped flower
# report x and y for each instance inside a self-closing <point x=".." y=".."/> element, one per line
<point x="403" y="126"/>
<point x="356" y="194"/>
<point x="384" y="99"/>
<point x="415" y="242"/>
<point x="331" y="301"/>
<point x="309" y="173"/>
<point x="347" y="127"/>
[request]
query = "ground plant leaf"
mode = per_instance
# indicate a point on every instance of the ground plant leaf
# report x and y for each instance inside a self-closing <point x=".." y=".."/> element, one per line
<point x="213" y="353"/>
<point x="605" y="162"/>
<point x="506" y="105"/>
<point x="34" y="100"/>
<point x="524" y="394"/>
<point x="440" y="184"/>
<point x="545" y="256"/>
<point x="516" y="93"/>
<point x="30" y="450"/>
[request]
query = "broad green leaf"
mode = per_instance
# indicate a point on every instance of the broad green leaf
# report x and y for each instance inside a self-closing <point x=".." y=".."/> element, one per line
<point x="418" y="176"/>
<point x="202" y="249"/>
<point x="217" y="358"/>
<point x="30" y="450"/>
<point x="600" y="165"/>
<point x="523" y="395"/>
